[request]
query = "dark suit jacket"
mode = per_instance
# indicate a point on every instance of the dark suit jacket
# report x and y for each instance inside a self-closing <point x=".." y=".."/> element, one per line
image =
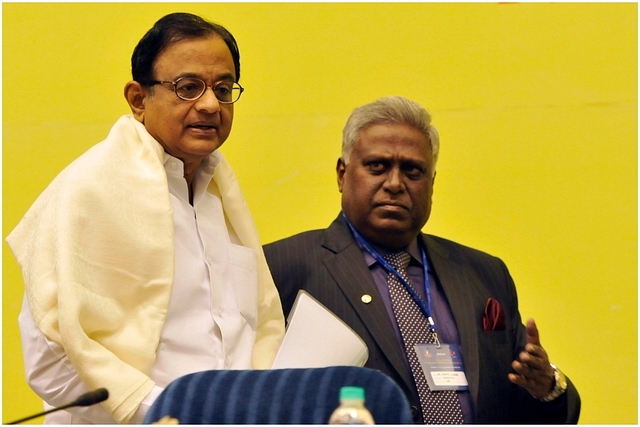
<point x="330" y="266"/>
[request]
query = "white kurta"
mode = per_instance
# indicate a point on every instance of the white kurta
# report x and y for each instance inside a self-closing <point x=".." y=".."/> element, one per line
<point x="205" y="326"/>
<point x="99" y="260"/>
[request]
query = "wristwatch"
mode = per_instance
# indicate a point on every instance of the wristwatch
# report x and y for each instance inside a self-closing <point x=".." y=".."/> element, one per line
<point x="559" y="388"/>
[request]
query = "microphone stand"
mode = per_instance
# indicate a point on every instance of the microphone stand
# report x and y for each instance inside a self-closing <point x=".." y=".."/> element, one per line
<point x="42" y="413"/>
<point x="86" y="399"/>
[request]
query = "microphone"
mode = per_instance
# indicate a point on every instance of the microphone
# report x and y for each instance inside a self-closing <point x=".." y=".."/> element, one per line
<point x="87" y="399"/>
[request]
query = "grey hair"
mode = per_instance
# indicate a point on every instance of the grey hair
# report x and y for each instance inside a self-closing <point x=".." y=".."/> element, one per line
<point x="392" y="109"/>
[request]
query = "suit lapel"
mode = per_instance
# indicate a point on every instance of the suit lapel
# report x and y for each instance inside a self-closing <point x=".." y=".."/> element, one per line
<point x="348" y="268"/>
<point x="466" y="296"/>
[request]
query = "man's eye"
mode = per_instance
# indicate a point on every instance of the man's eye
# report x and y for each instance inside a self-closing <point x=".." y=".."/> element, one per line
<point x="376" y="166"/>
<point x="223" y="90"/>
<point x="189" y="89"/>
<point x="414" y="172"/>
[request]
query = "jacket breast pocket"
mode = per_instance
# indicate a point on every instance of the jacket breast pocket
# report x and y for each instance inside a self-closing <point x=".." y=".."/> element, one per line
<point x="496" y="350"/>
<point x="494" y="337"/>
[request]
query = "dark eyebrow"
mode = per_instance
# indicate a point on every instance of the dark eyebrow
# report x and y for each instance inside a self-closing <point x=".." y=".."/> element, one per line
<point x="222" y="77"/>
<point x="413" y="162"/>
<point x="375" y="157"/>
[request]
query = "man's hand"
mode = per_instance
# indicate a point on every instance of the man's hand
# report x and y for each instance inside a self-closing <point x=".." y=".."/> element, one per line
<point x="533" y="371"/>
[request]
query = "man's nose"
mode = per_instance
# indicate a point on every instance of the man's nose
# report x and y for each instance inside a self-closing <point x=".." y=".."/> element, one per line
<point x="208" y="101"/>
<point x="394" y="182"/>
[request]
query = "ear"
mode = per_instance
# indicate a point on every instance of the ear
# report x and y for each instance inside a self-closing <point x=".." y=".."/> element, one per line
<point x="341" y="168"/>
<point x="136" y="95"/>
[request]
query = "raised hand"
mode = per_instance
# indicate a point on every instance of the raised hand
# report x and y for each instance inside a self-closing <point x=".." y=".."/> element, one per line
<point x="532" y="368"/>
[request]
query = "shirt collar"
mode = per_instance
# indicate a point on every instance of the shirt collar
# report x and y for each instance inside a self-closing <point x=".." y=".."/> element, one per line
<point x="174" y="167"/>
<point x="208" y="165"/>
<point x="413" y="249"/>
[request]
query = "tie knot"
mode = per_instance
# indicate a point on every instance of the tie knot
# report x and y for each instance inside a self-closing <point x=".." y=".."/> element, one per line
<point x="398" y="260"/>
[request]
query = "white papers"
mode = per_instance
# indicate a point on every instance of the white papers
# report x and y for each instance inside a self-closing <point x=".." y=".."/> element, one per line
<point x="317" y="338"/>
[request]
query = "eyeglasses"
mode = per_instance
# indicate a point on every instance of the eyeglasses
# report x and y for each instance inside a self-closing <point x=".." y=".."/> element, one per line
<point x="191" y="88"/>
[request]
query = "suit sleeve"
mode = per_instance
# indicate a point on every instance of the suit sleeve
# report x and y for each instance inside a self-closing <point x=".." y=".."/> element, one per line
<point x="563" y="410"/>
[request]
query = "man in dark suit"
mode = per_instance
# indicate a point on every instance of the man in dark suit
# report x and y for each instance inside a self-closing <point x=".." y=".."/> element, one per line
<point x="449" y="296"/>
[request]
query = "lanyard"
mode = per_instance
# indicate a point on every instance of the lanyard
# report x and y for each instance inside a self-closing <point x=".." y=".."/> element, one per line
<point x="426" y="310"/>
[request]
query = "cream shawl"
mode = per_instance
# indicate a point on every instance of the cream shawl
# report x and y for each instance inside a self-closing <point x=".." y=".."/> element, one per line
<point x="97" y="256"/>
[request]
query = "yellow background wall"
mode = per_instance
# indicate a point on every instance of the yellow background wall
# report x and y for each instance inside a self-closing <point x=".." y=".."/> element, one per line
<point x="536" y="105"/>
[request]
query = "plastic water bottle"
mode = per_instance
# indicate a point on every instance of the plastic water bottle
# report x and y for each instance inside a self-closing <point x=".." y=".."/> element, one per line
<point x="351" y="409"/>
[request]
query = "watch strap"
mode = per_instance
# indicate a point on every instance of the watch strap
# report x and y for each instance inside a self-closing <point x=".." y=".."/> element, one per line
<point x="559" y="387"/>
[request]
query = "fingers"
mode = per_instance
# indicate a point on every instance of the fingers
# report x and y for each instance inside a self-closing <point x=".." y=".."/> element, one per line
<point x="538" y="382"/>
<point x="531" y="361"/>
<point x="533" y="336"/>
<point x="532" y="369"/>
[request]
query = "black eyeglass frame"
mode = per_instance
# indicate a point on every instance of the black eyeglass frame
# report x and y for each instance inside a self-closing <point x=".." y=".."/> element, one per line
<point x="212" y="86"/>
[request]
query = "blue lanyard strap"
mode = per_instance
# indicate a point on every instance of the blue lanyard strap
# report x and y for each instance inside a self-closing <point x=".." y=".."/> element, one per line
<point x="426" y="310"/>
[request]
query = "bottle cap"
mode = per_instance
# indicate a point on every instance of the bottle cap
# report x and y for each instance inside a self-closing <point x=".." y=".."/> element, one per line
<point x="352" y="393"/>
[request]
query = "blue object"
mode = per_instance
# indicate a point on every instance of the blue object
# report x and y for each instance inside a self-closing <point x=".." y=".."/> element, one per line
<point x="279" y="396"/>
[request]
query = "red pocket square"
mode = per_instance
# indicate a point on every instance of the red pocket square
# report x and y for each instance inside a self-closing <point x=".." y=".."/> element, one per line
<point x="493" y="318"/>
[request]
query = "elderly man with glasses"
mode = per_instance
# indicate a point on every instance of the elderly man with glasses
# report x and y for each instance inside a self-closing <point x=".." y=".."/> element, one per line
<point x="141" y="261"/>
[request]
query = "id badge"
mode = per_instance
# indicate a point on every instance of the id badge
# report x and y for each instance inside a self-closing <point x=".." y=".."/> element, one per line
<point x="442" y="366"/>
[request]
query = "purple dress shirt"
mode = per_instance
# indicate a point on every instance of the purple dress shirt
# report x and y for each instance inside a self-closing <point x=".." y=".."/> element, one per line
<point x="445" y="324"/>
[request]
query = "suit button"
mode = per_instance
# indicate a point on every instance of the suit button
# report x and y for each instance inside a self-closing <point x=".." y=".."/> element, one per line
<point x="415" y="414"/>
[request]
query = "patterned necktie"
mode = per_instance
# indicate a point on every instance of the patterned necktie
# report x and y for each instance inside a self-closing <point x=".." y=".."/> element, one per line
<point x="438" y="407"/>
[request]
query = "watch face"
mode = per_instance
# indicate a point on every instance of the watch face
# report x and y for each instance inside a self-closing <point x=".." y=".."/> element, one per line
<point x="561" y="380"/>
<point x="560" y="385"/>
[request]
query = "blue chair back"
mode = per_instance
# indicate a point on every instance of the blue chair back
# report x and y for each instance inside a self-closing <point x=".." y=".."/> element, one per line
<point x="279" y="396"/>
